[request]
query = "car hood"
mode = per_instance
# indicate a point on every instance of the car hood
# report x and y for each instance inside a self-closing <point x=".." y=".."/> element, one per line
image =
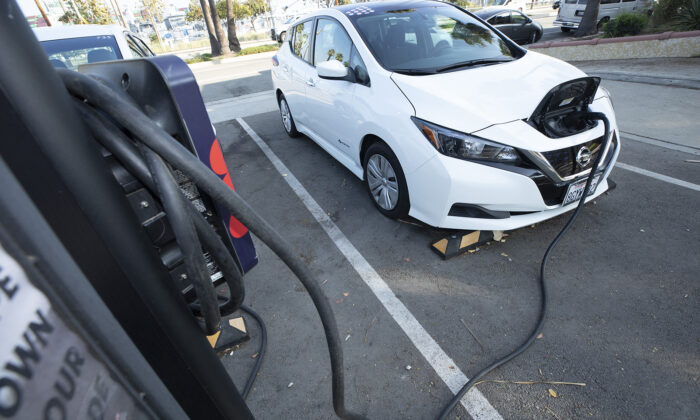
<point x="474" y="98"/>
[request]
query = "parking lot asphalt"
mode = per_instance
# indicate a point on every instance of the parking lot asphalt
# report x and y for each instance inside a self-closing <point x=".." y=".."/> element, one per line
<point x="624" y="299"/>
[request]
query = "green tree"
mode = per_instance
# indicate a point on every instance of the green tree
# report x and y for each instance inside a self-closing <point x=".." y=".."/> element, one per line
<point x="194" y="12"/>
<point x="256" y="8"/>
<point x="154" y="11"/>
<point x="86" y="11"/>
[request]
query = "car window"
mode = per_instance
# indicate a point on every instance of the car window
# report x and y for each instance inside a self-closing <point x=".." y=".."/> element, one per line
<point x="609" y="1"/>
<point x="389" y="34"/>
<point x="517" y="18"/>
<point x="301" y="42"/>
<point x="72" y="52"/>
<point x="333" y="43"/>
<point x="502" y="19"/>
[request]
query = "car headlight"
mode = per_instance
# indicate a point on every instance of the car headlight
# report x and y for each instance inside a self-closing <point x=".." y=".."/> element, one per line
<point x="463" y="146"/>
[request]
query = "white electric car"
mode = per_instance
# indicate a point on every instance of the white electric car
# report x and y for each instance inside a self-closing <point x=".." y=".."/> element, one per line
<point x="442" y="116"/>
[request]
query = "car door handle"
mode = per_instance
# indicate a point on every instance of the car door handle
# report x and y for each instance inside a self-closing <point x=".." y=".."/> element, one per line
<point x="311" y="83"/>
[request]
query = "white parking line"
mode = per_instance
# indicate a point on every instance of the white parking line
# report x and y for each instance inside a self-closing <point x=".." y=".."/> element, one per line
<point x="658" y="176"/>
<point x="474" y="402"/>
<point x="241" y="106"/>
<point x="660" y="143"/>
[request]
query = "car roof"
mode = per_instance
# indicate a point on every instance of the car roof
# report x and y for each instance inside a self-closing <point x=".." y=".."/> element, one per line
<point x="76" y="31"/>
<point x="383" y="6"/>
<point x="487" y="12"/>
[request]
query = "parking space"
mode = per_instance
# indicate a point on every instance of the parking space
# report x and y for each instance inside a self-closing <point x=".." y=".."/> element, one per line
<point x="623" y="293"/>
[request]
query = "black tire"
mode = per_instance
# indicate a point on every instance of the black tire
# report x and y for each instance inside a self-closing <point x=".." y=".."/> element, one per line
<point x="533" y="38"/>
<point x="599" y="26"/>
<point x="291" y="128"/>
<point x="283" y="36"/>
<point x="402" y="205"/>
<point x="565" y="30"/>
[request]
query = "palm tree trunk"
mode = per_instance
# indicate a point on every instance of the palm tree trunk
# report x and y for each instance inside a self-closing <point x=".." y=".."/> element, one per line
<point x="233" y="43"/>
<point x="213" y="40"/>
<point x="589" y="21"/>
<point x="220" y="35"/>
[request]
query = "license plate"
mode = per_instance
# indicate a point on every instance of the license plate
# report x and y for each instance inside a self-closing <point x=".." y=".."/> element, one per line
<point x="575" y="190"/>
<point x="579" y="12"/>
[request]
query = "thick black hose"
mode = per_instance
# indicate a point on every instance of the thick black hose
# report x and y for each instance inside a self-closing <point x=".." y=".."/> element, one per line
<point x="114" y="140"/>
<point x="186" y="237"/>
<point x="158" y="140"/>
<point x="543" y="286"/>
<point x="261" y="351"/>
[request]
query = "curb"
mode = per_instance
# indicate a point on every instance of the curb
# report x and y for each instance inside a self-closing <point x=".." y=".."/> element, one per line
<point x="652" y="37"/>
<point x="650" y="80"/>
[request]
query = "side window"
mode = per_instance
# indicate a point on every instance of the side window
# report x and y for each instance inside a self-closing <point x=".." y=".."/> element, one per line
<point x="332" y="43"/>
<point x="502" y="19"/>
<point x="517" y="18"/>
<point x="301" y="42"/>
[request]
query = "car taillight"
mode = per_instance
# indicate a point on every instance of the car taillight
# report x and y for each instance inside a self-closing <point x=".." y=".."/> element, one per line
<point x="275" y="61"/>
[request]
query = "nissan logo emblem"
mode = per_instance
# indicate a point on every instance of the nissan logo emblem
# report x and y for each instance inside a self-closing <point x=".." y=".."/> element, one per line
<point x="583" y="157"/>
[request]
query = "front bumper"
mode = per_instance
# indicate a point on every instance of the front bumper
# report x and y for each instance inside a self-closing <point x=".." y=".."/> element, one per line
<point x="566" y="23"/>
<point x="504" y="197"/>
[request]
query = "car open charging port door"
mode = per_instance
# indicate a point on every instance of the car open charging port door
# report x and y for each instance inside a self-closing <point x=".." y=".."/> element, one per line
<point x="557" y="115"/>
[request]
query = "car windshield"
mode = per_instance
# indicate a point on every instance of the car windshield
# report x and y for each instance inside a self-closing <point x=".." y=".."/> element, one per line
<point x="429" y="39"/>
<point x="72" y="52"/>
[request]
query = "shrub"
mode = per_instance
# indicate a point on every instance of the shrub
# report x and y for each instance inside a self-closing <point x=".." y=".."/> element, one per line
<point x="667" y="10"/>
<point x="625" y="24"/>
<point x="259" y="49"/>
<point x="199" y="58"/>
<point x="689" y="16"/>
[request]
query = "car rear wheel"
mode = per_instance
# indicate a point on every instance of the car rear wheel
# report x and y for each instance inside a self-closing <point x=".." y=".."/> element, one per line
<point x="533" y="38"/>
<point x="287" y="121"/>
<point x="385" y="181"/>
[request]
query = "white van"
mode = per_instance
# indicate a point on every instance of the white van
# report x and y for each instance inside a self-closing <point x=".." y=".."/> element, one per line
<point x="571" y="11"/>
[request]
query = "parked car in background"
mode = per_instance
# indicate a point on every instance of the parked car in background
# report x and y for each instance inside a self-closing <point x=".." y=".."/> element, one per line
<point x="279" y="32"/>
<point x="513" y="23"/>
<point x="444" y="118"/>
<point x="556" y="4"/>
<point x="71" y="46"/>
<point x="571" y="11"/>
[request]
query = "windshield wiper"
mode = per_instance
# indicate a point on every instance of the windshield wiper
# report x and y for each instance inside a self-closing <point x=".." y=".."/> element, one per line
<point x="413" y="72"/>
<point x="472" y="63"/>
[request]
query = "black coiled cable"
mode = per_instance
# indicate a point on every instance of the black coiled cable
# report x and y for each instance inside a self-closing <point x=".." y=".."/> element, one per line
<point x="93" y="94"/>
<point x="543" y="286"/>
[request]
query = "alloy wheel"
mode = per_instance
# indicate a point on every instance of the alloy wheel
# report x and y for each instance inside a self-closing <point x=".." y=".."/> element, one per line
<point x="382" y="181"/>
<point x="286" y="116"/>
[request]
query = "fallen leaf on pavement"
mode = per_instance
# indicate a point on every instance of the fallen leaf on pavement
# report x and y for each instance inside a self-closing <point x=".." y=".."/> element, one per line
<point x="539" y="336"/>
<point x="552" y="393"/>
<point x="339" y="300"/>
<point x="346" y="294"/>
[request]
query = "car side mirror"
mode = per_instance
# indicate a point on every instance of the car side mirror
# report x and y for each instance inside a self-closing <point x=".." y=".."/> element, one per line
<point x="332" y="69"/>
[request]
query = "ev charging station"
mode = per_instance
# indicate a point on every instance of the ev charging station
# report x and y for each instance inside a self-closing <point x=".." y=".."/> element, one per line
<point x="118" y="220"/>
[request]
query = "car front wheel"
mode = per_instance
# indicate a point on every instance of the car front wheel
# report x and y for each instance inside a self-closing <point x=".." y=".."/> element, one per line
<point x="385" y="181"/>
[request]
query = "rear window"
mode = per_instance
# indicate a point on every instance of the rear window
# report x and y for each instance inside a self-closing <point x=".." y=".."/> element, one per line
<point x="72" y="52"/>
